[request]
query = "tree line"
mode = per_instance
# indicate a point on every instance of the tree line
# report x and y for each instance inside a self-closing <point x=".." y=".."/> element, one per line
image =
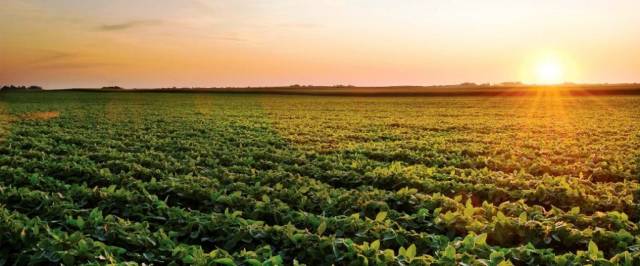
<point x="20" y="88"/>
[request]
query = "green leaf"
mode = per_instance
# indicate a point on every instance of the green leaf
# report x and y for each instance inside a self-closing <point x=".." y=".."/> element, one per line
<point x="375" y="245"/>
<point x="481" y="239"/>
<point x="495" y="255"/>
<point x="468" y="212"/>
<point x="522" y="218"/>
<point x="68" y="259"/>
<point x="411" y="252"/>
<point x="95" y="216"/>
<point x="457" y="198"/>
<point x="225" y="261"/>
<point x="389" y="254"/>
<point x="575" y="210"/>
<point x="80" y="223"/>
<point x="33" y="179"/>
<point x="381" y="216"/>
<point x="82" y="245"/>
<point x="188" y="259"/>
<point x="560" y="260"/>
<point x="253" y="262"/>
<point x="365" y="261"/>
<point x="505" y="263"/>
<point x="266" y="198"/>
<point x="450" y="252"/>
<point x="593" y="250"/>
<point x="322" y="227"/>
<point x="628" y="260"/>
<point x="468" y="209"/>
<point x="275" y="260"/>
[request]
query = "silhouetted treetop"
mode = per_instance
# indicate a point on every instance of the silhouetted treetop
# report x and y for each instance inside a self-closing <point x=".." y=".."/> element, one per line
<point x="20" y="88"/>
<point x="112" y="88"/>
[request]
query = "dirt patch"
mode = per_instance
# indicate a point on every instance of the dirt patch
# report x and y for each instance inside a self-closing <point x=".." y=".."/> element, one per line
<point x="39" y="115"/>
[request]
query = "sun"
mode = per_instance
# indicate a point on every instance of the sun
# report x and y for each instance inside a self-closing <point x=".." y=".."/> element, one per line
<point x="549" y="70"/>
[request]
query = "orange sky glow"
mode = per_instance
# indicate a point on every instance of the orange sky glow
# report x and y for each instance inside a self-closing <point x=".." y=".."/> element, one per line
<point x="163" y="43"/>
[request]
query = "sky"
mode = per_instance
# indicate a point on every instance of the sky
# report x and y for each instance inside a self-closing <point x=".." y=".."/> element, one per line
<point x="203" y="43"/>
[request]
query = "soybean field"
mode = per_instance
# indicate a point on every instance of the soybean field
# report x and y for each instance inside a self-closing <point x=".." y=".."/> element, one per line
<point x="151" y="178"/>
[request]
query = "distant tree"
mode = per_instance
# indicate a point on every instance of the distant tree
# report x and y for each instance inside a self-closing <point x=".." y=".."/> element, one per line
<point x="511" y="83"/>
<point x="20" y="88"/>
<point x="9" y="88"/>
<point x="112" y="88"/>
<point x="343" y="86"/>
<point x="468" y="84"/>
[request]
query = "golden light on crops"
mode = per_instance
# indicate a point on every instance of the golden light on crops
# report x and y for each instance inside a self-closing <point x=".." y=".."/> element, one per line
<point x="549" y="70"/>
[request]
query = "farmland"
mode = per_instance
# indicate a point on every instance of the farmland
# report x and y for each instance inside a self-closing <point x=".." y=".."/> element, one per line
<point x="259" y="179"/>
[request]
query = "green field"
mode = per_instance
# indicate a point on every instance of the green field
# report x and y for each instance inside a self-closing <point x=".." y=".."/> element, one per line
<point x="258" y="179"/>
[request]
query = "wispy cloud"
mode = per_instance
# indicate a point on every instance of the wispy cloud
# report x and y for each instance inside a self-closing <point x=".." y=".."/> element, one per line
<point x="55" y="59"/>
<point x="228" y="38"/>
<point x="73" y="65"/>
<point x="299" y="25"/>
<point x="128" y="25"/>
<point x="52" y="56"/>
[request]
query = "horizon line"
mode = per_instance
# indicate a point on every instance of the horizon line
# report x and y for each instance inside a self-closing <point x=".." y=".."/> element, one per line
<point x="463" y="84"/>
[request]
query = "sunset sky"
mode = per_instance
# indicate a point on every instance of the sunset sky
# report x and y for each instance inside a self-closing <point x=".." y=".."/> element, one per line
<point x="162" y="43"/>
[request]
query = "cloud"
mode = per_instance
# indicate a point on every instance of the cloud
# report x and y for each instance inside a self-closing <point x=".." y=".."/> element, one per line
<point x="229" y="38"/>
<point x="54" y="59"/>
<point x="53" y="56"/>
<point x="73" y="65"/>
<point x="299" y="25"/>
<point x="128" y="25"/>
<point x="201" y="6"/>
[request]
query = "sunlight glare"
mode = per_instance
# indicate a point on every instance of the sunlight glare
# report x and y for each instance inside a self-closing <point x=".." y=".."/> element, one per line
<point x="549" y="71"/>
